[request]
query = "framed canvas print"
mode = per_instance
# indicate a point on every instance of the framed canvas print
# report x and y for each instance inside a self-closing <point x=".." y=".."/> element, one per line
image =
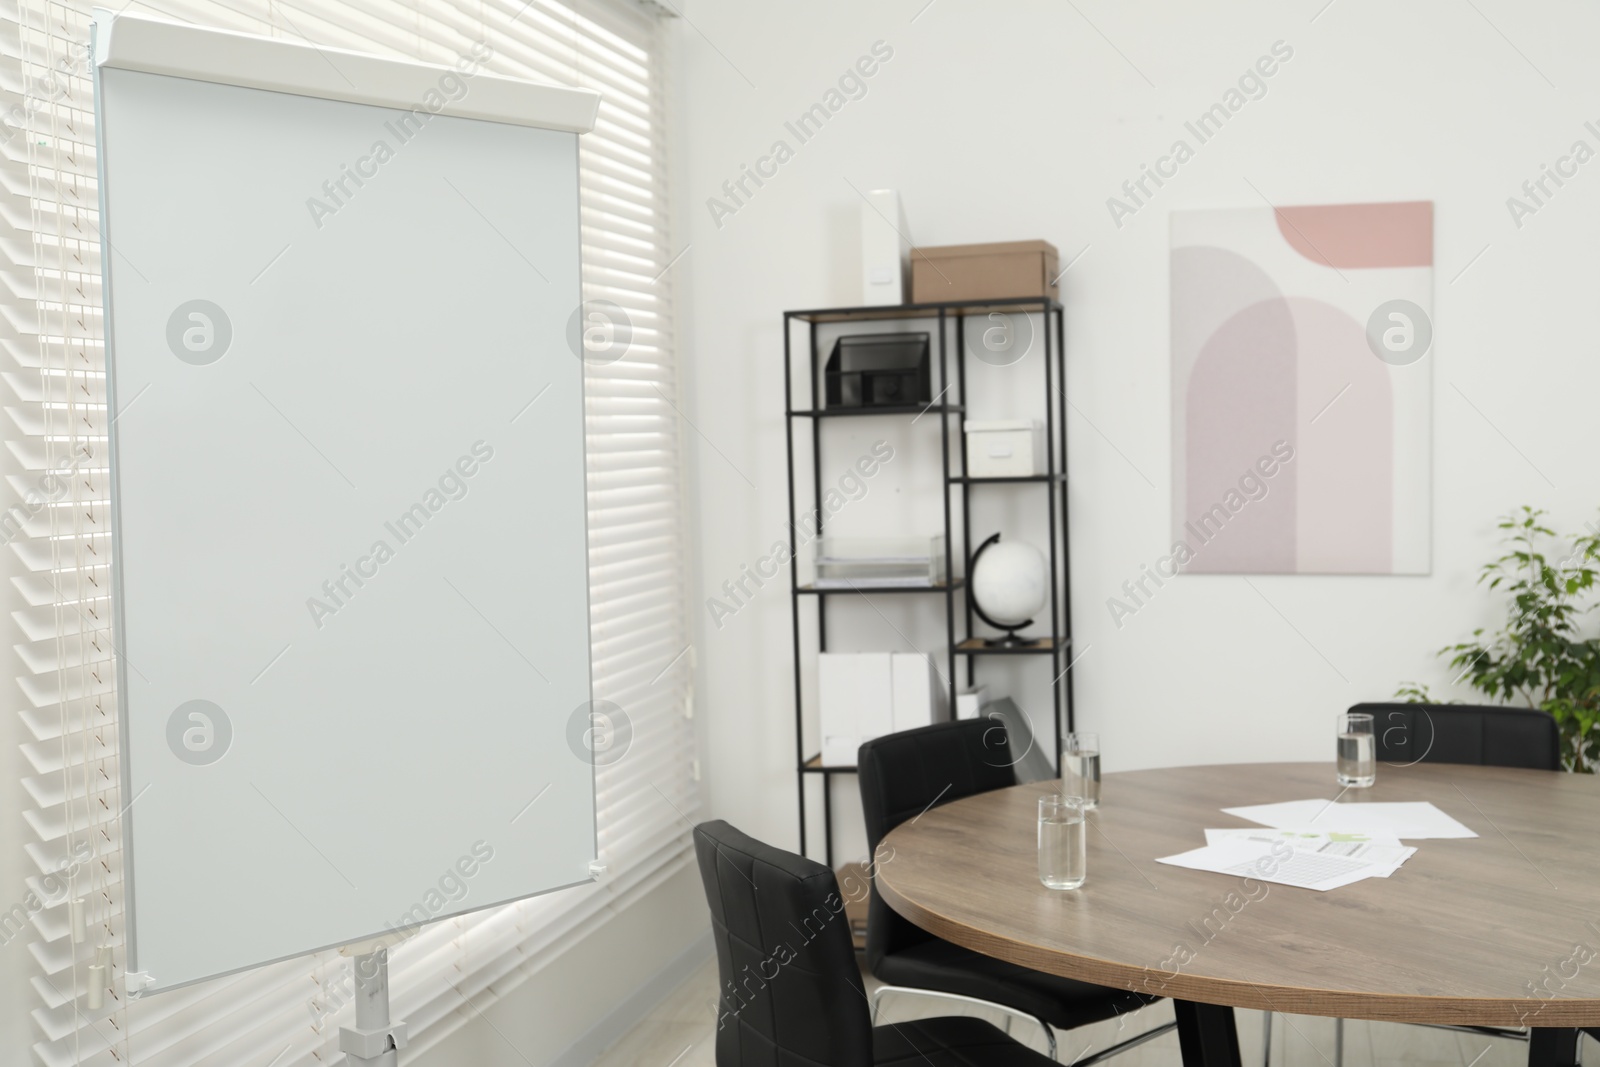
<point x="1301" y="389"/>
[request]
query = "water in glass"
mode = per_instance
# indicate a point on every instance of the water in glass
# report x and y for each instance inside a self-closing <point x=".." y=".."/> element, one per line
<point x="1080" y="767"/>
<point x="1080" y="776"/>
<point x="1063" y="842"/>
<point x="1358" y="759"/>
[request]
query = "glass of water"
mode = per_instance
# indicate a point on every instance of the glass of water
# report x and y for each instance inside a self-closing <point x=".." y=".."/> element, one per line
<point x="1063" y="842"/>
<point x="1080" y="767"/>
<point x="1358" y="750"/>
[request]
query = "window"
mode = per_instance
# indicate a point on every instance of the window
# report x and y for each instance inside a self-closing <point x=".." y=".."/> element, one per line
<point x="56" y="435"/>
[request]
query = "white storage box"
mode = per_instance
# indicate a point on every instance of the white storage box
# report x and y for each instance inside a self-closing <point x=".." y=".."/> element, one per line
<point x="914" y="687"/>
<point x="855" y="697"/>
<point x="1004" y="448"/>
<point x="863" y="695"/>
<point x="885" y="253"/>
<point x="970" y="701"/>
<point x="910" y="562"/>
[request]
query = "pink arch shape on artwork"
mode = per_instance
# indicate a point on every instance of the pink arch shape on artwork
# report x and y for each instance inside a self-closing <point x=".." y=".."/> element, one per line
<point x="1345" y="452"/>
<point x="1351" y="236"/>
<point x="1242" y="399"/>
<point x="1296" y="371"/>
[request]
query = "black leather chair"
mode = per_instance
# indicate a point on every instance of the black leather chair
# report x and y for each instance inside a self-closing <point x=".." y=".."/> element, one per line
<point x="1475" y="734"/>
<point x="1465" y="733"/>
<point x="905" y="774"/>
<point x="791" y="993"/>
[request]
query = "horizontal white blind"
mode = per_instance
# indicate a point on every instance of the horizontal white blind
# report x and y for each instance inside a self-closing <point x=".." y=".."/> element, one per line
<point x="52" y="365"/>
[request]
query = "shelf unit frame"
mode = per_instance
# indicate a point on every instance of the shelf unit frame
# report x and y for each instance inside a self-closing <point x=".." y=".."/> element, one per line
<point x="1056" y="645"/>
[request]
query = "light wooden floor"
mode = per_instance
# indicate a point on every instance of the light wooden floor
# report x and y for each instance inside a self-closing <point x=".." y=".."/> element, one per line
<point x="679" y="1034"/>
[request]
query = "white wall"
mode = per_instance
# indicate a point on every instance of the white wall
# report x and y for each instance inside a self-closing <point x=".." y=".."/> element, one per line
<point x="1019" y="120"/>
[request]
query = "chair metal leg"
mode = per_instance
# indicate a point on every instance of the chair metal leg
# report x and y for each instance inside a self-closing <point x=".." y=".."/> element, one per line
<point x="1266" y="1039"/>
<point x="1010" y="1012"/>
<point x="1338" y="1043"/>
<point x="1482" y="1031"/>
<point x="1121" y="1047"/>
<point x="1013" y="1013"/>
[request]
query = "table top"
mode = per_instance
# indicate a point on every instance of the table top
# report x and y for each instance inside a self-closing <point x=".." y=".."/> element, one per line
<point x="1498" y="930"/>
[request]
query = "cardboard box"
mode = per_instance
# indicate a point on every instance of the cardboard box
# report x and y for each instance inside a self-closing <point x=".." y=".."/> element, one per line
<point x="984" y="272"/>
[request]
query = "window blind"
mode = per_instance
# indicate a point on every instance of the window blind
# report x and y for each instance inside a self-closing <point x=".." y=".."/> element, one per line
<point x="52" y="366"/>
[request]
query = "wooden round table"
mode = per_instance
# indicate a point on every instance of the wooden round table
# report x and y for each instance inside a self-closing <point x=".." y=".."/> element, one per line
<point x="1498" y="930"/>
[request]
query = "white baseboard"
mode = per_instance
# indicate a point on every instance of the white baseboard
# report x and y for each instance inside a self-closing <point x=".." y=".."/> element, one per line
<point x="636" y="1006"/>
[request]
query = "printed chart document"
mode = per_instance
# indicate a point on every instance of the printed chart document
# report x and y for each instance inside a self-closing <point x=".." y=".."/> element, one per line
<point x="1245" y="858"/>
<point x="1383" y="850"/>
<point x="1409" y="819"/>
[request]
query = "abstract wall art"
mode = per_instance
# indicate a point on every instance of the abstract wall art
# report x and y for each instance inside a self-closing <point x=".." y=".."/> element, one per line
<point x="1301" y="389"/>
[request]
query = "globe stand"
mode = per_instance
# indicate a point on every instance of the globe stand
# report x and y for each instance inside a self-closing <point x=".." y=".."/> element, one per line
<point x="1011" y="639"/>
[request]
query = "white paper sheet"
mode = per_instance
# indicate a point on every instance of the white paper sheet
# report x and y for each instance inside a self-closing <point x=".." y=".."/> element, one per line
<point x="1245" y="858"/>
<point x="1383" y="850"/>
<point x="1408" y="819"/>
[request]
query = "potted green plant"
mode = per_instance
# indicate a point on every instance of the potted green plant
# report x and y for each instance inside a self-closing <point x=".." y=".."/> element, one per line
<point x="1539" y="657"/>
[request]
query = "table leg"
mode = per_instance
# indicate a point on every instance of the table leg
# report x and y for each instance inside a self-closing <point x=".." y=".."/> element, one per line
<point x="1207" y="1036"/>
<point x="1550" y="1046"/>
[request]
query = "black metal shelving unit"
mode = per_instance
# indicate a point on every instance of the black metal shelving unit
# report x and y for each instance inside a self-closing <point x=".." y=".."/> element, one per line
<point x="950" y="398"/>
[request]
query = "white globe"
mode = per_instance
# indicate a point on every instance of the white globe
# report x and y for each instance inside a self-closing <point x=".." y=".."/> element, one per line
<point x="1011" y="582"/>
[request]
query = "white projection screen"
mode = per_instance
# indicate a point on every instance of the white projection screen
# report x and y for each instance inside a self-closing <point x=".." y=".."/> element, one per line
<point x="348" y="492"/>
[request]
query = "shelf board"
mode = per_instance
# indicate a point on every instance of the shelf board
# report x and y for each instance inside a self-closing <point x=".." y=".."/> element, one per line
<point x="867" y="587"/>
<point x="925" y="311"/>
<point x="896" y="409"/>
<point x="1043" y="646"/>
<point x="962" y="479"/>
<point x="814" y="766"/>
